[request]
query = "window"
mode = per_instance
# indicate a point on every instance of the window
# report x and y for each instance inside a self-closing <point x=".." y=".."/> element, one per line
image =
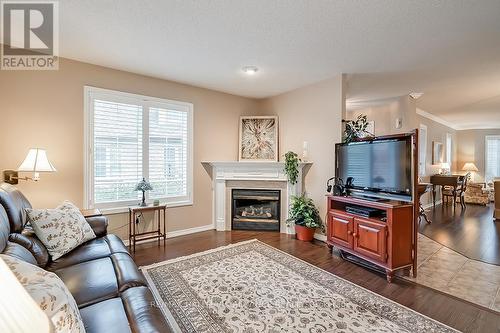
<point x="449" y="149"/>
<point x="492" y="149"/>
<point x="131" y="136"/>
<point x="422" y="150"/>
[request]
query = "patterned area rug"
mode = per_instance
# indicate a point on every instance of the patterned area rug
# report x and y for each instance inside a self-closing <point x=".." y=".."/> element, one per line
<point x="252" y="287"/>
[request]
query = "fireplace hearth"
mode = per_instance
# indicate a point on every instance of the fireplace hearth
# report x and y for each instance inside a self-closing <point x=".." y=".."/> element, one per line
<point x="255" y="209"/>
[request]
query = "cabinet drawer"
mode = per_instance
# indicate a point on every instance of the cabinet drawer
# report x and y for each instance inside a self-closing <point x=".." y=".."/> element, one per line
<point x="370" y="239"/>
<point x="340" y="228"/>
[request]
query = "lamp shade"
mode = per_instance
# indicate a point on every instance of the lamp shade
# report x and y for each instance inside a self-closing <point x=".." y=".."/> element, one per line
<point x="470" y="167"/>
<point x="18" y="311"/>
<point x="36" y="161"/>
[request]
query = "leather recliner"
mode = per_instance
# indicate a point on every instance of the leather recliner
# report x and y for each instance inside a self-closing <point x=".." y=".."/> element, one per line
<point x="110" y="291"/>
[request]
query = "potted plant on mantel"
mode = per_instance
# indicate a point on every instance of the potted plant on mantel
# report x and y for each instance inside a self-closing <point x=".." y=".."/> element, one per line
<point x="292" y="161"/>
<point x="306" y="217"/>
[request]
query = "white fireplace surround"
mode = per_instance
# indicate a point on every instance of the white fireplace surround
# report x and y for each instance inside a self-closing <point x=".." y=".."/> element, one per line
<point x="262" y="172"/>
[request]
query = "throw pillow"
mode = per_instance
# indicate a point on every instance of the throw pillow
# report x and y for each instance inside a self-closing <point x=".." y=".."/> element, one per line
<point x="61" y="229"/>
<point x="50" y="293"/>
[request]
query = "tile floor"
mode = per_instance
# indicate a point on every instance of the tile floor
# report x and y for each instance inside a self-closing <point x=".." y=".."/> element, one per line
<point x="450" y="272"/>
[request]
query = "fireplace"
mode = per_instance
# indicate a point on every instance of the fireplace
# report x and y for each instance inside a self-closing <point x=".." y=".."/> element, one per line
<point x="255" y="209"/>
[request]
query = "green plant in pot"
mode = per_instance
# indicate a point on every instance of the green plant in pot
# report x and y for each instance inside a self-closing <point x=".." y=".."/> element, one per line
<point x="292" y="166"/>
<point x="356" y="129"/>
<point x="306" y="217"/>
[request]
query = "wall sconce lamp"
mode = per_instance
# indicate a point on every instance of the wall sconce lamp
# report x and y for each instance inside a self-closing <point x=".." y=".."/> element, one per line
<point x="36" y="161"/>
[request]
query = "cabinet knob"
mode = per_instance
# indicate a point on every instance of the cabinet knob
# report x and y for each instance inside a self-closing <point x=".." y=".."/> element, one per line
<point x="349" y="232"/>
<point x="354" y="234"/>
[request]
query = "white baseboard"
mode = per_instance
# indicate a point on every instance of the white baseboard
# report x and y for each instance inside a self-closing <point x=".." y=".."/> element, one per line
<point x="177" y="233"/>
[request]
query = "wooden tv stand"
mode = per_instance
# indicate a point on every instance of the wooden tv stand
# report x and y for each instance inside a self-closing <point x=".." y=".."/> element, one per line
<point x="389" y="244"/>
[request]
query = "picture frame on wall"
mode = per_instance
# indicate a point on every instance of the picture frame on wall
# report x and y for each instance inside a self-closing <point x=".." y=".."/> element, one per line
<point x="258" y="139"/>
<point x="437" y="152"/>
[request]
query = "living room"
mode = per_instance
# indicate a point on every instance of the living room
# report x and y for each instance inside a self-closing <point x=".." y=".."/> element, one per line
<point x="133" y="106"/>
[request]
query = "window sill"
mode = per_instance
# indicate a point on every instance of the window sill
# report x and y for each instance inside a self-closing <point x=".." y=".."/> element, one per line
<point x="124" y="209"/>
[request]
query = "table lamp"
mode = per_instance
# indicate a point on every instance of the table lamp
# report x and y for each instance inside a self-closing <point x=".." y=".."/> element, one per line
<point x="18" y="311"/>
<point x="472" y="168"/>
<point x="36" y="161"/>
<point x="143" y="186"/>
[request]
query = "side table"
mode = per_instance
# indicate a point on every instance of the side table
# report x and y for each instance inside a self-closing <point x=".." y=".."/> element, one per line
<point x="158" y="233"/>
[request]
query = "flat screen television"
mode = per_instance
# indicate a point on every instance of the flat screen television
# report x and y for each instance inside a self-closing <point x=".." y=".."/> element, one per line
<point x="378" y="168"/>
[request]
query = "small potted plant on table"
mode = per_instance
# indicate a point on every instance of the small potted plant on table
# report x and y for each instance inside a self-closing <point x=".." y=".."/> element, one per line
<point x="305" y="215"/>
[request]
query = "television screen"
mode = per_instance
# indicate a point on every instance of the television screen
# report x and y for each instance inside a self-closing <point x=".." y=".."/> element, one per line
<point x="377" y="166"/>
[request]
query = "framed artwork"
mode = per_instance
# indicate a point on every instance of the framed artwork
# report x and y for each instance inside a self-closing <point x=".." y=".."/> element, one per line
<point x="258" y="139"/>
<point x="437" y="152"/>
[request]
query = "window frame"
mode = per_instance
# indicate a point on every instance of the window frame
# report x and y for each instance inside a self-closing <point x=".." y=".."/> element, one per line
<point x="486" y="138"/>
<point x="91" y="93"/>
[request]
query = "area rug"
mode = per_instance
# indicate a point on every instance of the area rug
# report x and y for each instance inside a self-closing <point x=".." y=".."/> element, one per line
<point x="252" y="287"/>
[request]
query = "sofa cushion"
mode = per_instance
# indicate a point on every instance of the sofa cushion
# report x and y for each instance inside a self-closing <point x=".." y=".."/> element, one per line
<point x="100" y="279"/>
<point x="107" y="316"/>
<point x="50" y="293"/>
<point x="61" y="229"/>
<point x="14" y="203"/>
<point x="91" y="281"/>
<point x="93" y="249"/>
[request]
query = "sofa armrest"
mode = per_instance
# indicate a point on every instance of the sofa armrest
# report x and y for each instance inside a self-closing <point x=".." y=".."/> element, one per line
<point x="99" y="224"/>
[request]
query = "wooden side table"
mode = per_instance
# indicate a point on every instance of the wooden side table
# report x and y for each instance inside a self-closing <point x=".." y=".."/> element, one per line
<point x="158" y="233"/>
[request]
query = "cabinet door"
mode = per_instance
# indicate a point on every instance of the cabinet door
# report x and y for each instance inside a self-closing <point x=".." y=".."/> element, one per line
<point x="340" y="229"/>
<point x="370" y="239"/>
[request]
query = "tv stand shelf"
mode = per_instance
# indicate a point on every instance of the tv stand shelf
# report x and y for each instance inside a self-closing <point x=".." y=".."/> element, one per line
<point x="387" y="243"/>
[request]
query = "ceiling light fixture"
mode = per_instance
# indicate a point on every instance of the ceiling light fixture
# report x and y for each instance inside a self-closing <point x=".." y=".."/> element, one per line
<point x="416" y="95"/>
<point x="250" y="70"/>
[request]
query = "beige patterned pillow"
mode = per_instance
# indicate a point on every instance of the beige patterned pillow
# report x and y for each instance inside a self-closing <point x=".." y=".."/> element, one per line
<point x="50" y="293"/>
<point x="61" y="229"/>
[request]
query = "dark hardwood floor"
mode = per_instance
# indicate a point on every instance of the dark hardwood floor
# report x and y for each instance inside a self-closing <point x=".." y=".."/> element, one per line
<point x="454" y="312"/>
<point x="472" y="232"/>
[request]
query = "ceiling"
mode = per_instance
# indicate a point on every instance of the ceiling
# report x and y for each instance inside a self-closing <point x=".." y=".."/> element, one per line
<point x="448" y="49"/>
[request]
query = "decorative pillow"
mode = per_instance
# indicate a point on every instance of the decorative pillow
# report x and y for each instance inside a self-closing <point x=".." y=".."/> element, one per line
<point x="50" y="293"/>
<point x="61" y="229"/>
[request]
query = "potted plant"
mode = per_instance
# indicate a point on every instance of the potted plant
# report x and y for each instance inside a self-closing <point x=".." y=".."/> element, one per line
<point x="305" y="215"/>
<point x="356" y="129"/>
<point x="292" y="166"/>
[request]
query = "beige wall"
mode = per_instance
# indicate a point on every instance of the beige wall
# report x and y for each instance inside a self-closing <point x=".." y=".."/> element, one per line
<point x="45" y="109"/>
<point x="311" y="114"/>
<point x="471" y="146"/>
<point x="385" y="115"/>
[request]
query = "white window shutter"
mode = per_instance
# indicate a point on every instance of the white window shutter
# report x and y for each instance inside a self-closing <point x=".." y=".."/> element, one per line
<point x="168" y="152"/>
<point x="117" y="151"/>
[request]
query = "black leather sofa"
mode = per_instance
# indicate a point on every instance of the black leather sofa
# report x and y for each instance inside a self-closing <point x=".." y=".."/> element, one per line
<point x="110" y="291"/>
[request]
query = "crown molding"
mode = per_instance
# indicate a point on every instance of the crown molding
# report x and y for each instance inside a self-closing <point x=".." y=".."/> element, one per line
<point x="437" y="119"/>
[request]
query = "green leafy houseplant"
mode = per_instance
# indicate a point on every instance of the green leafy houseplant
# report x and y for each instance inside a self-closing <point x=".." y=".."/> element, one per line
<point x="292" y="166"/>
<point x="356" y="129"/>
<point x="304" y="213"/>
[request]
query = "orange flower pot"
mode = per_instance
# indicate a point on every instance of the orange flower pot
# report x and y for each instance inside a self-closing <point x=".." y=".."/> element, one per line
<point x="304" y="233"/>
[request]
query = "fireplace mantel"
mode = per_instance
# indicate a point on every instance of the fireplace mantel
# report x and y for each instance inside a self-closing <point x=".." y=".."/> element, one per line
<point x="224" y="171"/>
